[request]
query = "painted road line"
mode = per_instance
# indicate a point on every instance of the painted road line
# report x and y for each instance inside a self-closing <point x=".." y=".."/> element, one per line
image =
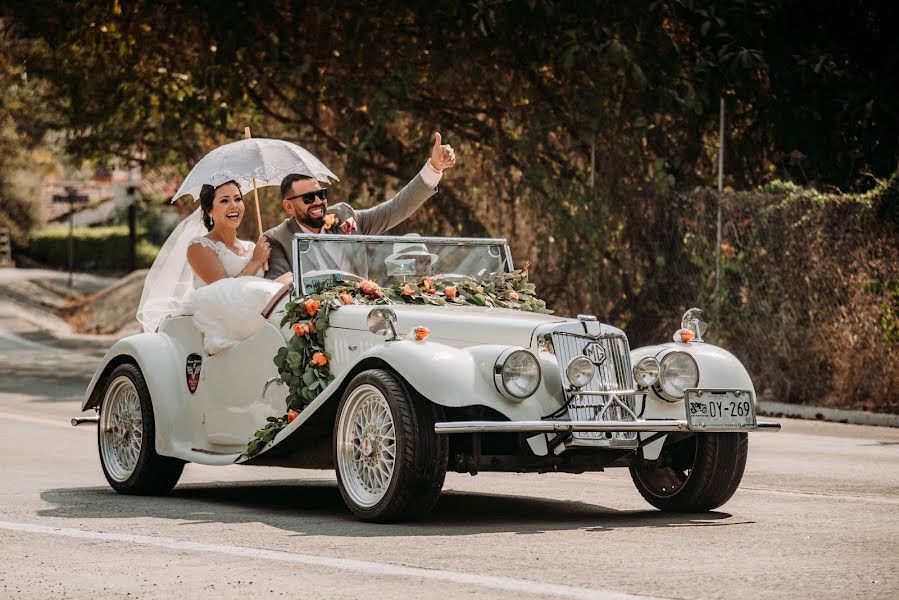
<point x="507" y="584"/>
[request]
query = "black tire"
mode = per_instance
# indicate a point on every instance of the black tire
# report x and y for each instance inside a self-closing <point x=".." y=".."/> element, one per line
<point x="420" y="455"/>
<point x="695" y="474"/>
<point x="152" y="474"/>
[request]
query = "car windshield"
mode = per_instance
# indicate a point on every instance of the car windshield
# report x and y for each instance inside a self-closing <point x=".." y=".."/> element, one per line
<point x="388" y="259"/>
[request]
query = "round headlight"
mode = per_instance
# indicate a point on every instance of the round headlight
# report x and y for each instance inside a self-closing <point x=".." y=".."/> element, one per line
<point x="678" y="372"/>
<point x="580" y="371"/>
<point x="517" y="374"/>
<point x="646" y="372"/>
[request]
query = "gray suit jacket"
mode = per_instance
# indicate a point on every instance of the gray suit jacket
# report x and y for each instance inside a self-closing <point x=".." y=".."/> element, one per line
<point x="369" y="221"/>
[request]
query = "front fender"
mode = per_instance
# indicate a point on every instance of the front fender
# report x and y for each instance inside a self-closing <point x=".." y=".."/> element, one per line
<point x="455" y="377"/>
<point x="718" y="369"/>
<point x="157" y="356"/>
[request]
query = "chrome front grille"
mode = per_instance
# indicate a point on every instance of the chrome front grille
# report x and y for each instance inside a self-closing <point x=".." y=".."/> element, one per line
<point x="611" y="355"/>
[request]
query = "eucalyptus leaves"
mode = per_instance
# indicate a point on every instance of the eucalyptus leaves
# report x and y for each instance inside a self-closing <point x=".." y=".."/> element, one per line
<point x="304" y="365"/>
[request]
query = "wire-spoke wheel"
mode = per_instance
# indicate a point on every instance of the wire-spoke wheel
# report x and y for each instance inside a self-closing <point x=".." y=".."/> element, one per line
<point x="126" y="437"/>
<point x="390" y="464"/>
<point x="696" y="474"/>
<point x="368" y="445"/>
<point x="121" y="428"/>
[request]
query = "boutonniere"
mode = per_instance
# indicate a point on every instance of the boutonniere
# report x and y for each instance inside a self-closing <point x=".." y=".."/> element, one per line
<point x="332" y="223"/>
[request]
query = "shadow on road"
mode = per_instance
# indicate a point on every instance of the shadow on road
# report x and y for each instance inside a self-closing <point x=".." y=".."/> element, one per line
<point x="316" y="508"/>
<point x="58" y="387"/>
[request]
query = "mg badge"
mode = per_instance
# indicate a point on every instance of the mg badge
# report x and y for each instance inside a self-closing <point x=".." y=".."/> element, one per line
<point x="194" y="364"/>
<point x="595" y="352"/>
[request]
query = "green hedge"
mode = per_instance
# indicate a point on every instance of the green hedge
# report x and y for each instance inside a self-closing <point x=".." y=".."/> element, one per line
<point x="95" y="248"/>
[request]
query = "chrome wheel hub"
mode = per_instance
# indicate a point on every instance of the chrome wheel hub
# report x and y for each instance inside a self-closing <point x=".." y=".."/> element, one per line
<point x="366" y="446"/>
<point x="121" y="429"/>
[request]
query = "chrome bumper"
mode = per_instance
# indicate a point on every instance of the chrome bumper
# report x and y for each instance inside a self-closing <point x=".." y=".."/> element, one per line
<point x="662" y="425"/>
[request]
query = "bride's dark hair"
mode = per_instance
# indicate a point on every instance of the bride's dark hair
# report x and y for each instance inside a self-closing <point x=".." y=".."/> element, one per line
<point x="207" y="195"/>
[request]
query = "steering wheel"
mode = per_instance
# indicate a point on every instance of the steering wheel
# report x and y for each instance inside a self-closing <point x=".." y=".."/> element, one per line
<point x="330" y="273"/>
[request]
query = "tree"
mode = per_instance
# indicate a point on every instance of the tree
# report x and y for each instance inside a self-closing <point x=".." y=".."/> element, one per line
<point x="573" y="121"/>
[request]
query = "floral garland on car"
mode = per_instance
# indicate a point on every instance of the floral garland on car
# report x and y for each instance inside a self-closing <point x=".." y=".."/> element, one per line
<point x="304" y="365"/>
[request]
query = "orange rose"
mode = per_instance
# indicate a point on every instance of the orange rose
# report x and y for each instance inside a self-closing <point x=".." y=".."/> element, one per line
<point x="512" y="294"/>
<point x="687" y="335"/>
<point x="291" y="415"/>
<point x="450" y="291"/>
<point x="330" y="221"/>
<point x="407" y="290"/>
<point x="311" y="307"/>
<point x="347" y="299"/>
<point x="370" y="288"/>
<point x="319" y="359"/>
<point x="421" y="333"/>
<point x="300" y="330"/>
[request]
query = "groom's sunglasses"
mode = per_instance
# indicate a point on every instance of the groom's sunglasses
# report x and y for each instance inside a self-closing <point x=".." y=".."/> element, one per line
<point x="309" y="197"/>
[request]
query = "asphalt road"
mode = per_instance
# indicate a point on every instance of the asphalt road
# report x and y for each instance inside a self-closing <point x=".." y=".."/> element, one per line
<point x="817" y="516"/>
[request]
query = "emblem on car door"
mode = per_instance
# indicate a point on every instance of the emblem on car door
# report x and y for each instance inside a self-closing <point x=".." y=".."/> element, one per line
<point x="595" y="352"/>
<point x="192" y="369"/>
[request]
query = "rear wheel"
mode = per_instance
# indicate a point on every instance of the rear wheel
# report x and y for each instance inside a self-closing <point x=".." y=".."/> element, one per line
<point x="390" y="464"/>
<point x="126" y="437"/>
<point x="696" y="474"/>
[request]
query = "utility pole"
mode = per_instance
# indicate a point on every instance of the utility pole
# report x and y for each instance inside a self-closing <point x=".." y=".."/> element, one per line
<point x="720" y="194"/>
<point x="72" y="197"/>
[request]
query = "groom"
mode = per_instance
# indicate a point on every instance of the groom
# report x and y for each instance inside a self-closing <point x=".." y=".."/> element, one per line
<point x="306" y="203"/>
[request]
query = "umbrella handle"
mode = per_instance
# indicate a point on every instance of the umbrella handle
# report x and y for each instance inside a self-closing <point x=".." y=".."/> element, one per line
<point x="258" y="214"/>
<point x="246" y="135"/>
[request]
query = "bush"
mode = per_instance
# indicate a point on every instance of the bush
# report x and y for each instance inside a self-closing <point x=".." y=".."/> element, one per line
<point x="95" y="248"/>
<point x="809" y="296"/>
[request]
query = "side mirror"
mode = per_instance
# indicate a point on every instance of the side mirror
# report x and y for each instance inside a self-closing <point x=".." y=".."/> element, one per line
<point x="382" y="321"/>
<point x="692" y="321"/>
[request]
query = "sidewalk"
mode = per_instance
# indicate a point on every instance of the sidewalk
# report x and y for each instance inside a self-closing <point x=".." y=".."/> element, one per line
<point x="836" y="415"/>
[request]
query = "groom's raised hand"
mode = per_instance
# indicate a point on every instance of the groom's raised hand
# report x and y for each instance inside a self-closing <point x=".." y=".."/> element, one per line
<point x="442" y="155"/>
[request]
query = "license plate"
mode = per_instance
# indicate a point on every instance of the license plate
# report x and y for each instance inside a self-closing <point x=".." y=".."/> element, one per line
<point x="720" y="409"/>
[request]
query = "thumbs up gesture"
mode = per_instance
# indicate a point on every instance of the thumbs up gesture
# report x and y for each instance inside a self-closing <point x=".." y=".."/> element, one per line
<point x="442" y="155"/>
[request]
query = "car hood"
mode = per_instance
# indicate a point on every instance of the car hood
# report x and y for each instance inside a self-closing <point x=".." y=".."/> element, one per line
<point x="470" y="324"/>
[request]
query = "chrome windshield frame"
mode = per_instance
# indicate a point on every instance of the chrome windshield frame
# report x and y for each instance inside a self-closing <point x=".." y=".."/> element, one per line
<point x="298" y="238"/>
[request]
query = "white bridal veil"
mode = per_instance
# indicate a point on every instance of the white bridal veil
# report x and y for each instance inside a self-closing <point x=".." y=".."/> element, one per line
<point x="170" y="279"/>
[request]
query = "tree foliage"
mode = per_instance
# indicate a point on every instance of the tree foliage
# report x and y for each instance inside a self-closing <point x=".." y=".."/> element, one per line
<point x="572" y="120"/>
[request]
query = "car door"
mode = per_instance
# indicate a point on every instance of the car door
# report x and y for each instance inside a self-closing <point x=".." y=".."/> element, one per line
<point x="234" y="405"/>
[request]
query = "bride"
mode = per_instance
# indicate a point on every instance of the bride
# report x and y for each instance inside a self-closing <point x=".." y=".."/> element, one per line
<point x="216" y="277"/>
<point x="219" y="253"/>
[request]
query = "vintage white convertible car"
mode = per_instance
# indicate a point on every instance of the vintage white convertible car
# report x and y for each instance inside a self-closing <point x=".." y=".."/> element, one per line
<point x="489" y="389"/>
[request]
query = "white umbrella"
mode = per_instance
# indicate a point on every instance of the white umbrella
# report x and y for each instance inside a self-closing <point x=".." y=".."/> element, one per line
<point x="267" y="161"/>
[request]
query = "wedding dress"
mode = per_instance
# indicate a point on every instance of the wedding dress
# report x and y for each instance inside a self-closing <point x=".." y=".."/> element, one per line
<point x="226" y="311"/>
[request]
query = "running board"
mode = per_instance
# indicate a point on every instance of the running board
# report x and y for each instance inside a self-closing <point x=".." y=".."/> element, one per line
<point x="663" y="425"/>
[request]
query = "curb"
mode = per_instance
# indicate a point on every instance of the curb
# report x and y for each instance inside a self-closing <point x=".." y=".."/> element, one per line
<point x="855" y="417"/>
